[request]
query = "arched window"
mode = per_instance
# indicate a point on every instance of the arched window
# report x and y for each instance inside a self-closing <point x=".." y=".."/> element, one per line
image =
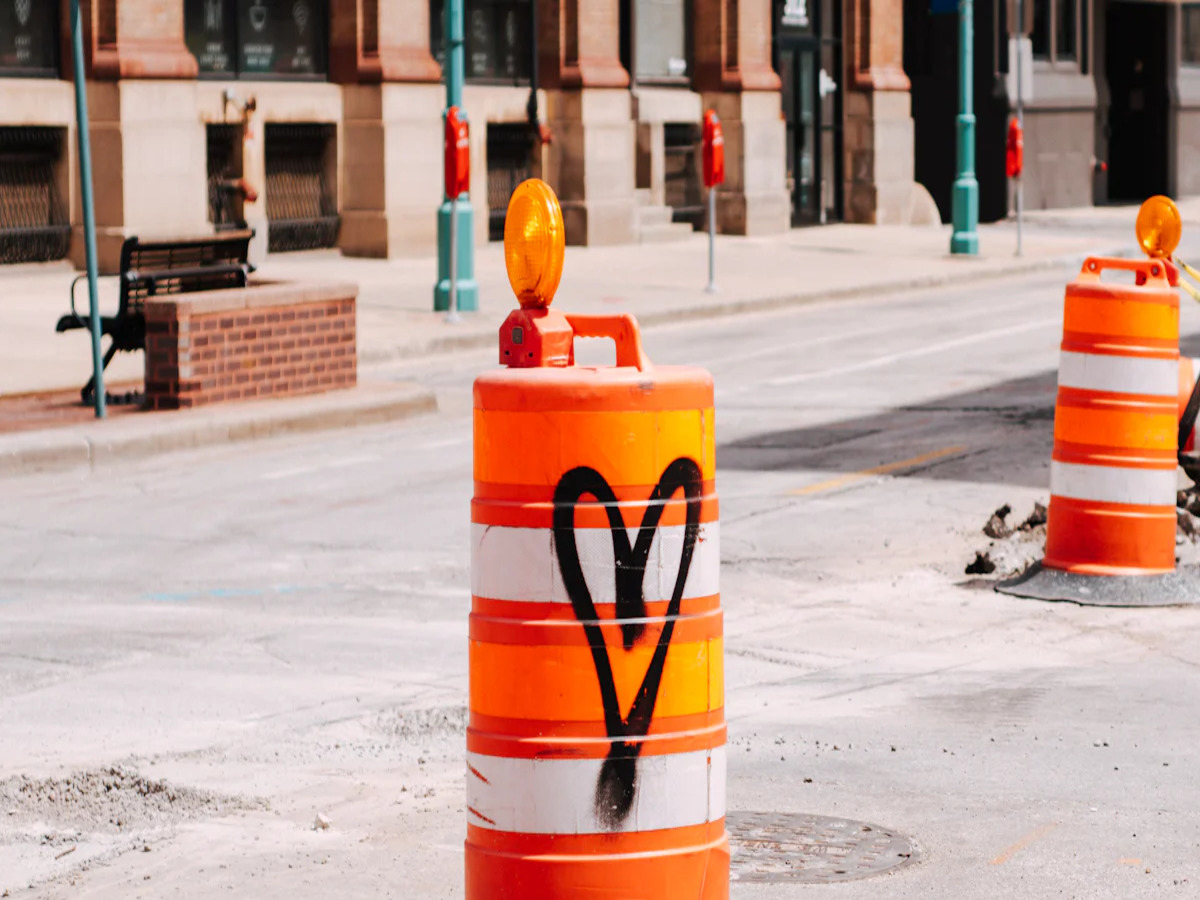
<point x="259" y="39"/>
<point x="29" y="38"/>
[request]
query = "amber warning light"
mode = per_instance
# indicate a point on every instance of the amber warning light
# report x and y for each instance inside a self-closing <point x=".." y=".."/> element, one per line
<point x="1159" y="227"/>
<point x="534" y="243"/>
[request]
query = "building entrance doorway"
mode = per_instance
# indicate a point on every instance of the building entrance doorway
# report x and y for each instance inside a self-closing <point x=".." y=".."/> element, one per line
<point x="1136" y="69"/>
<point x="808" y="58"/>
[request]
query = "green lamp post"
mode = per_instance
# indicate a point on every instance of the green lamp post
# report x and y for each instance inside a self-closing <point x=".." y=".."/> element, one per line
<point x="965" y="204"/>
<point x="467" y="288"/>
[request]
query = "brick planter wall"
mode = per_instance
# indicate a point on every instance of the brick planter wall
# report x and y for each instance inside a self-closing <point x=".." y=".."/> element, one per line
<point x="268" y="340"/>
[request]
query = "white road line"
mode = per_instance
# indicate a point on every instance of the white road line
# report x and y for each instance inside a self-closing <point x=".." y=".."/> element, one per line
<point x="929" y="350"/>
<point x="441" y="445"/>
<point x="790" y="347"/>
<point x="281" y="474"/>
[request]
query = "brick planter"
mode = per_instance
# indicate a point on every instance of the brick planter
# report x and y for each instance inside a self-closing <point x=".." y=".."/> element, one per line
<point x="268" y="340"/>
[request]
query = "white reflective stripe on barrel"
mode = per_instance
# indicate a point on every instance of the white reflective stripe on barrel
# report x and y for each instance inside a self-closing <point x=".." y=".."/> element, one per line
<point x="520" y="563"/>
<point x="558" y="796"/>
<point x="1119" y="374"/>
<point x="1113" y="484"/>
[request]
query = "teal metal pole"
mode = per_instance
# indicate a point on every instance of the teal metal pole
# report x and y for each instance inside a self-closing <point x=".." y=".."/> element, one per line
<point x="965" y="204"/>
<point x="89" y="213"/>
<point x="463" y="222"/>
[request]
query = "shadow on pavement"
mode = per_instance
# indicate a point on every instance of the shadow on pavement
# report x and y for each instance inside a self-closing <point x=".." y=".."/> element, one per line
<point x="1002" y="434"/>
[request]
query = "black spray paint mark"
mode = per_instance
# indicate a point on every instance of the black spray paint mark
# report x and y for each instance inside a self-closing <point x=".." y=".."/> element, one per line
<point x="617" y="783"/>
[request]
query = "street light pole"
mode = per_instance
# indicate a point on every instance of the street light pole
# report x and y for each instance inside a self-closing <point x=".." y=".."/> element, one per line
<point x="965" y="239"/>
<point x="1020" y="30"/>
<point x="83" y="134"/>
<point x="462" y="220"/>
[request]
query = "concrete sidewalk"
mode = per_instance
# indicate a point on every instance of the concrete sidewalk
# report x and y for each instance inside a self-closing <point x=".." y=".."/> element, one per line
<point x="656" y="282"/>
<point x="135" y="435"/>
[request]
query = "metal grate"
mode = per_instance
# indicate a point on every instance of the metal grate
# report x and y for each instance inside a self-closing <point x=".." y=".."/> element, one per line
<point x="301" y="204"/>
<point x="224" y="207"/>
<point x="681" y="175"/>
<point x="34" y="226"/>
<point x="509" y="162"/>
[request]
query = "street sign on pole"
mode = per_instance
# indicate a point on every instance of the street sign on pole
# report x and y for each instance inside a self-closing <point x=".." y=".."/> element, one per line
<point x="714" y="174"/>
<point x="457" y="216"/>
<point x="457" y="166"/>
<point x="1022" y="10"/>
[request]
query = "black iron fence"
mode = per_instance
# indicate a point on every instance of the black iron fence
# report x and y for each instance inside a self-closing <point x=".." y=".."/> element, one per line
<point x="301" y="187"/>
<point x="682" y="181"/>
<point x="34" y="222"/>
<point x="224" y="169"/>
<point x="509" y="162"/>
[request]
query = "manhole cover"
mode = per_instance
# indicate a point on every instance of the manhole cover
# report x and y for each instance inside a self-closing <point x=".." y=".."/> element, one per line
<point x="795" y="847"/>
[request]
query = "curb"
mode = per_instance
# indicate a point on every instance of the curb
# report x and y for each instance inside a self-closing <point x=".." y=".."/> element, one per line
<point x="451" y="343"/>
<point x="98" y="444"/>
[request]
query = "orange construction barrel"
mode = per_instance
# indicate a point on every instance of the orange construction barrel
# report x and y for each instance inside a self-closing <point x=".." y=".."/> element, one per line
<point x="596" y="740"/>
<point x="1112" y="477"/>
<point x="1189" y="374"/>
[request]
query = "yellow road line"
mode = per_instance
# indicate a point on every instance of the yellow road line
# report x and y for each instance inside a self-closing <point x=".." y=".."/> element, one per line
<point x="850" y="478"/>
<point x="1024" y="842"/>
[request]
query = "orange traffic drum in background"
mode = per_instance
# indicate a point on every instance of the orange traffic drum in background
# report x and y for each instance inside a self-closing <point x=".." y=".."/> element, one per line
<point x="1189" y="373"/>
<point x="1113" y="478"/>
<point x="596" y="739"/>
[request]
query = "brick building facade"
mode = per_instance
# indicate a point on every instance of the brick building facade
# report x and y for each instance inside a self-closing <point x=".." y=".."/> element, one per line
<point x="329" y="112"/>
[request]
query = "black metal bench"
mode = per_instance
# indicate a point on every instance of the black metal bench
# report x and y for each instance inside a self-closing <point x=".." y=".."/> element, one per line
<point x="157" y="268"/>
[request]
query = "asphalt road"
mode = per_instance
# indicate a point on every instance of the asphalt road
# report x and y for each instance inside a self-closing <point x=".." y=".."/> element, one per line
<point x="278" y="631"/>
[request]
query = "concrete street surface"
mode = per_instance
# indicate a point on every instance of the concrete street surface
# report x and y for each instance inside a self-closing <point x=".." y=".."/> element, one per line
<point x="242" y="672"/>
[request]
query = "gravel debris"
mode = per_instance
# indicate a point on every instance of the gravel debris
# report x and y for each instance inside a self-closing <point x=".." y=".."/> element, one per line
<point x="113" y="800"/>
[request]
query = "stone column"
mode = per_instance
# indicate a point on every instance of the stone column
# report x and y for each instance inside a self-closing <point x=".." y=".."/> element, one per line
<point x="148" y="146"/>
<point x="732" y="51"/>
<point x="392" y="146"/>
<point x="591" y="160"/>
<point x="136" y="39"/>
<point x="879" y="126"/>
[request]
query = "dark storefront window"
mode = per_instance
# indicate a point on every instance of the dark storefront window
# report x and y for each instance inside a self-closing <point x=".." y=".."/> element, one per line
<point x="1191" y="34"/>
<point x="1064" y="32"/>
<point x="495" y="36"/>
<point x="264" y="39"/>
<point x="1041" y="29"/>
<point x="29" y="38"/>
<point x="1056" y="30"/>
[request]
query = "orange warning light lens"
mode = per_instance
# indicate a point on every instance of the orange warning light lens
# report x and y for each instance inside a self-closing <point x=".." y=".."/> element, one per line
<point x="534" y="242"/>
<point x="1159" y="226"/>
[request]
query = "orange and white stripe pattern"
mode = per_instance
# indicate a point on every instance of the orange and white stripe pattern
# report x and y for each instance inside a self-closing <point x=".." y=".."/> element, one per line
<point x="1112" y="475"/>
<point x="1189" y="371"/>
<point x="596" y="742"/>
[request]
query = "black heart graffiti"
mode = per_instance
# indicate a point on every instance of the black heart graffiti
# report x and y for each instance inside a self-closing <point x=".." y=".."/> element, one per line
<point x="617" y="784"/>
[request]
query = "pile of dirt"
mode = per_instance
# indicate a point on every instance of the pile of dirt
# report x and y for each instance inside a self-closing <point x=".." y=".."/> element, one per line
<point x="1013" y="548"/>
<point x="113" y="800"/>
<point x="410" y="725"/>
<point x="1187" y="515"/>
